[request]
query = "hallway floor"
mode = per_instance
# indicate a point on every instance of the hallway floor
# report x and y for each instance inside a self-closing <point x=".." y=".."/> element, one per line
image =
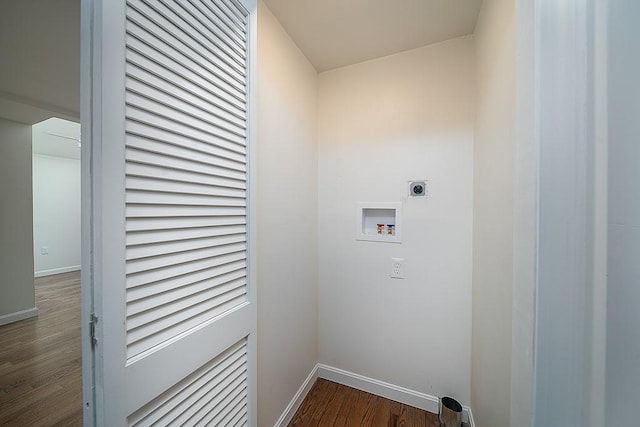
<point x="40" y="359"/>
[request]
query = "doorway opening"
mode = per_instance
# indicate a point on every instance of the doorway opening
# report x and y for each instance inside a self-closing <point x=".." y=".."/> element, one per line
<point x="42" y="365"/>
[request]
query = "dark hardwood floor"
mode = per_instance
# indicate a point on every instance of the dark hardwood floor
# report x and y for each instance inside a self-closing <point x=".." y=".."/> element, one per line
<point x="40" y="359"/>
<point x="335" y="405"/>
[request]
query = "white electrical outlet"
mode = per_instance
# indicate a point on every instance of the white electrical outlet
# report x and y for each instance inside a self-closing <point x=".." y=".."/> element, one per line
<point x="44" y="250"/>
<point x="397" y="268"/>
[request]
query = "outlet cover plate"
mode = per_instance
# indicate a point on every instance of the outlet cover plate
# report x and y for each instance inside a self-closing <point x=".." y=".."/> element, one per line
<point x="397" y="268"/>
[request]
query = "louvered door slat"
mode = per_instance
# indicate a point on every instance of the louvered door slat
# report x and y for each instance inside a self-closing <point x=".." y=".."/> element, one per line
<point x="216" y="42"/>
<point x="235" y="27"/>
<point x="169" y="75"/>
<point x="222" y="274"/>
<point x="200" y="289"/>
<point x="146" y="111"/>
<point x="153" y="57"/>
<point x="147" y="21"/>
<point x="193" y="106"/>
<point x="184" y="200"/>
<point x="231" y="33"/>
<point x="172" y="211"/>
<point x="160" y="330"/>
<point x="169" y="260"/>
<point x="153" y="76"/>
<point x="233" y="11"/>
<point x="214" y="156"/>
<point x="206" y="38"/>
<point x="161" y="236"/>
<point x="160" y="160"/>
<point x="167" y="19"/>
<point x="200" y="393"/>
<point x="146" y="250"/>
<point x="240" y="417"/>
<point x="232" y="407"/>
<point x="164" y="224"/>
<point x="173" y="136"/>
<point x="179" y="308"/>
<point x="184" y="413"/>
<point x="168" y="186"/>
<point x="191" y="117"/>
<point x="146" y="277"/>
<point x="135" y="170"/>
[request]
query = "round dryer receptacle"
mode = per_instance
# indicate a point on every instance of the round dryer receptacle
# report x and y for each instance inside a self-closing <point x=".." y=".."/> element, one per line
<point x="418" y="188"/>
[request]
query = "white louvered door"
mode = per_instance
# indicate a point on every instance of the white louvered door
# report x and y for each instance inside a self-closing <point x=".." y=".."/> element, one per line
<point x="168" y="104"/>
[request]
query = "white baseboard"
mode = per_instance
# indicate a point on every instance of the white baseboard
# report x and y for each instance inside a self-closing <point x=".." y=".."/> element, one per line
<point x="380" y="388"/>
<point x="53" y="271"/>
<point x="295" y="403"/>
<point x="18" y="315"/>
<point x="467" y="409"/>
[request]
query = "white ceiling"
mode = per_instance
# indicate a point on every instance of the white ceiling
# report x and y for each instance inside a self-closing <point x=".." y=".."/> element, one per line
<point x="40" y="42"/>
<point x="336" y="33"/>
<point x="39" y="59"/>
<point x="56" y="137"/>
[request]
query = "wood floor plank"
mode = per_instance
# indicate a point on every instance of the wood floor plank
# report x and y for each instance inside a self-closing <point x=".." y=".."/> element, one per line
<point x="326" y="397"/>
<point x="412" y="417"/>
<point x="330" y="404"/>
<point x="40" y="359"/>
<point x="348" y="405"/>
<point x="306" y="412"/>
<point x="367" y="417"/>
<point x="361" y="410"/>
<point x="382" y="413"/>
<point x="395" y="410"/>
<point x="334" y="405"/>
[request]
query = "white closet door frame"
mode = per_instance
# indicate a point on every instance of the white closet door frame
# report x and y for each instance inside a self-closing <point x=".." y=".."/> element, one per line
<point x="105" y="375"/>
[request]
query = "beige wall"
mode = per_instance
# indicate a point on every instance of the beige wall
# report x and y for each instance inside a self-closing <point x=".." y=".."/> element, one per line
<point x="16" y="225"/>
<point x="493" y="215"/>
<point x="56" y="214"/>
<point x="623" y="292"/>
<point x="287" y="217"/>
<point x="382" y="123"/>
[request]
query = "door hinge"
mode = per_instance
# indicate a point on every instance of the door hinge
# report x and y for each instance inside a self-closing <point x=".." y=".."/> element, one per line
<point x="92" y="329"/>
